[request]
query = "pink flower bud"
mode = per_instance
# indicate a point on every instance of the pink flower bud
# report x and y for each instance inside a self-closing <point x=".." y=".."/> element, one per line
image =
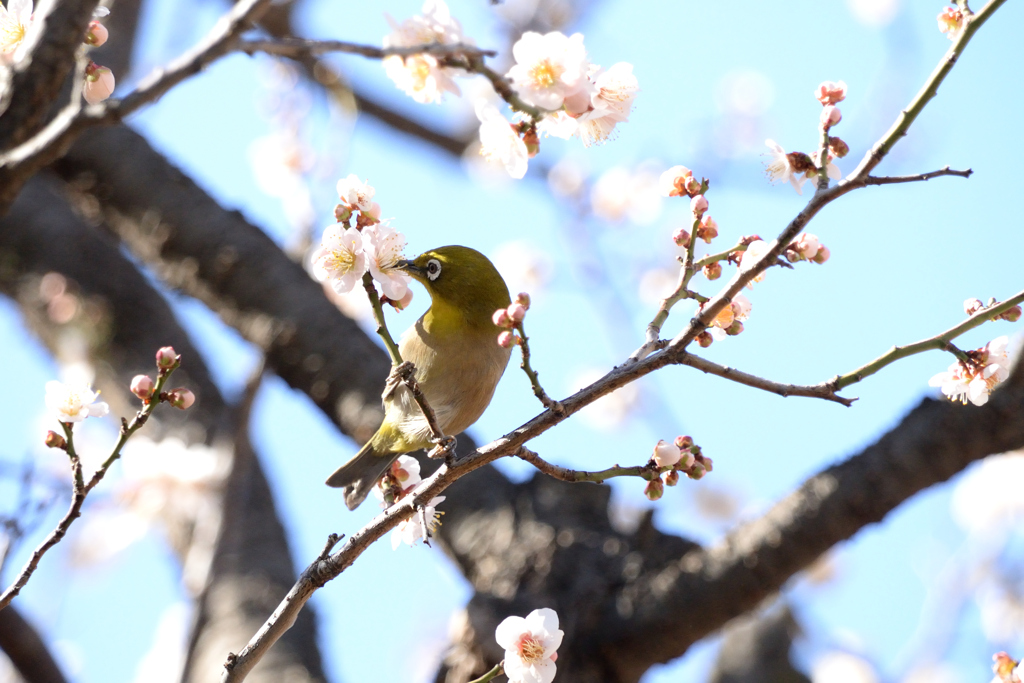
<point x="708" y="229"/>
<point x="831" y="93"/>
<point x="666" y="454"/>
<point x="517" y="312"/>
<point x="972" y="306"/>
<point x="99" y="83"/>
<point x="705" y="461"/>
<point x="523" y="299"/>
<point x="671" y="478"/>
<point x="830" y="116"/>
<point x="654" y="489"/>
<point x="734" y="329"/>
<point x="696" y="471"/>
<point x="342" y="213"/>
<point x="1012" y="315"/>
<point x="705" y="339"/>
<point x="166" y="358"/>
<point x="672" y="182"/>
<point x="698" y="205"/>
<point x="54" y="440"/>
<point x="97" y="34"/>
<point x="682" y="237"/>
<point x="507" y="340"/>
<point x="684" y="442"/>
<point x="713" y="271"/>
<point x="501" y="318"/>
<point x="692" y="186"/>
<point x="142" y="386"/>
<point x="838" y="148"/>
<point x="822" y="255"/>
<point x="950" y="22"/>
<point x="532" y="142"/>
<point x="181" y="398"/>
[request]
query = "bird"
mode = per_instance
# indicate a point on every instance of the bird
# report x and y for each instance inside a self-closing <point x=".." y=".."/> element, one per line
<point x="457" y="360"/>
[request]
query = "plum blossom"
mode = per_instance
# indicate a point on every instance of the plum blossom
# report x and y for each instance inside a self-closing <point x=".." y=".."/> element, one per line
<point x="357" y="194"/>
<point x="97" y="34"/>
<point x="951" y="22"/>
<point x="384" y="247"/>
<point x="787" y="167"/>
<point x="803" y="248"/>
<point x="99" y="83"/>
<point x="421" y="76"/>
<point x="339" y="259"/>
<point x="831" y="93"/>
<point x="531" y="646"/>
<point x="672" y="182"/>
<point x="974" y="381"/>
<point x="14" y="23"/>
<point x="729" y="320"/>
<point x="499" y="142"/>
<point x="611" y="104"/>
<point x="73" y="402"/>
<point x="549" y="68"/>
<point x="666" y="454"/>
<point x="411" y="530"/>
<point x="755" y="250"/>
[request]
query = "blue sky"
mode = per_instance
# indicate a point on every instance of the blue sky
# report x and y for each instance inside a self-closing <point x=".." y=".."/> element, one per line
<point x="903" y="260"/>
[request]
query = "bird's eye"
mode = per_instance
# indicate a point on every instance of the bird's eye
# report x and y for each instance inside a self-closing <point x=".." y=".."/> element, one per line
<point x="433" y="269"/>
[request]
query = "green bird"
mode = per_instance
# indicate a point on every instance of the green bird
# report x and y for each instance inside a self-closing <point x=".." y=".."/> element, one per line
<point x="457" y="357"/>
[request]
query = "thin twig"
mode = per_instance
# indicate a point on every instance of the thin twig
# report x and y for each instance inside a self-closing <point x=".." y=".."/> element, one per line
<point x="293" y="48"/>
<point x="81" y="489"/>
<point x="378" y="317"/>
<point x="939" y="341"/>
<point x="823" y="391"/>
<point x="892" y="180"/>
<point x="538" y="390"/>
<point x="648" y="471"/>
<point x="498" y="669"/>
<point x="406" y="373"/>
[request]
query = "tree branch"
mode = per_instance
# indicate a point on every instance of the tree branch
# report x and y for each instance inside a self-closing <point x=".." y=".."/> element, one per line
<point x="892" y="180"/>
<point x="823" y="391"/>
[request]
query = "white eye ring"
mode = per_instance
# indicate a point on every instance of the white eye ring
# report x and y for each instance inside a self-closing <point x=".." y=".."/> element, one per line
<point x="433" y="269"/>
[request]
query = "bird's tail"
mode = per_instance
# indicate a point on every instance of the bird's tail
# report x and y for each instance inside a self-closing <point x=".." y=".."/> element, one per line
<point x="359" y="474"/>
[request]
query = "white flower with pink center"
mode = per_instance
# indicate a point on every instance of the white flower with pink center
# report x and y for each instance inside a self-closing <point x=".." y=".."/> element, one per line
<point x="975" y="381"/>
<point x="355" y="193"/>
<point x="616" y="88"/>
<point x="549" y="68"/>
<point x="73" y="402"/>
<point x="339" y="259"/>
<point x="531" y="646"/>
<point x="384" y="247"/>
<point x="499" y="142"/>
<point x="420" y="526"/>
<point x="14" y="22"/>
<point x="421" y="76"/>
<point x="780" y="168"/>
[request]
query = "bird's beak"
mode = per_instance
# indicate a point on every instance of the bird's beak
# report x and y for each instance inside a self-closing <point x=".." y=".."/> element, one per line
<point x="409" y="267"/>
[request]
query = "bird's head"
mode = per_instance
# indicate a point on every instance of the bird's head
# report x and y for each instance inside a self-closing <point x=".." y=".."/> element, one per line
<point x="462" y="283"/>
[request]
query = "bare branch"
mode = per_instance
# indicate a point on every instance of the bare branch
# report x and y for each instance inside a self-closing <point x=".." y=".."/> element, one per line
<point x="825" y="390"/>
<point x="648" y="471"/>
<point x="294" y="48"/>
<point x="892" y="180"/>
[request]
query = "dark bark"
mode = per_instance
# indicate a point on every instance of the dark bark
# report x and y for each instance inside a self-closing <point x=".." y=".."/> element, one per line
<point x="27" y="651"/>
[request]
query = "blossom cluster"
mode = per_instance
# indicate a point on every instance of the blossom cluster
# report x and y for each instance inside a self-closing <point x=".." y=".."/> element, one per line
<point x="682" y="455"/>
<point x="972" y="306"/>
<point x="347" y="252"/>
<point x="531" y="645"/>
<point x="797" y="168"/>
<point x="551" y="73"/>
<point x="398" y="481"/>
<point x="951" y="22"/>
<point x="974" y="379"/>
<point x="15" y="20"/>
<point x="510" y="317"/>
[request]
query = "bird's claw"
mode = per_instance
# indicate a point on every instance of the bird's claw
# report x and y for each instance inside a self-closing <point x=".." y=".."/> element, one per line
<point x="443" y="448"/>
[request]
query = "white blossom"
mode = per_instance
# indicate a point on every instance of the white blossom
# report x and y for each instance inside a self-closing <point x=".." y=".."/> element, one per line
<point x="421" y="76"/>
<point x="412" y="529"/>
<point x="531" y="646"/>
<point x="356" y="194"/>
<point x="499" y="142"/>
<point x="73" y="402"/>
<point x="384" y="247"/>
<point x="14" y="22"/>
<point x="616" y="88"/>
<point x="975" y="381"/>
<point x="549" y="68"/>
<point x="781" y="169"/>
<point x="339" y="259"/>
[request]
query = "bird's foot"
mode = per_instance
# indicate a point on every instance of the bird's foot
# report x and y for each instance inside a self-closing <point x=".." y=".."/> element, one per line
<point x="399" y="373"/>
<point x="443" y="448"/>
